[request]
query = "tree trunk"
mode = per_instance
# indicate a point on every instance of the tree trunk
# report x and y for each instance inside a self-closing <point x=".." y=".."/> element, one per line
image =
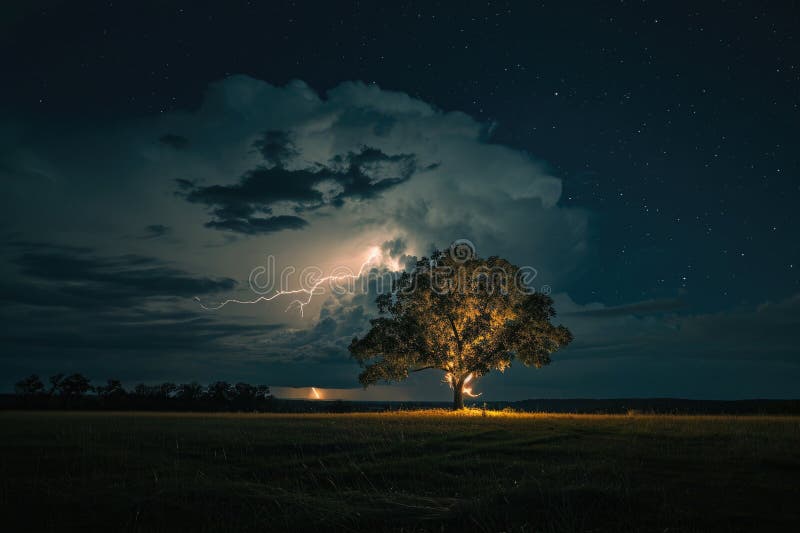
<point x="458" y="395"/>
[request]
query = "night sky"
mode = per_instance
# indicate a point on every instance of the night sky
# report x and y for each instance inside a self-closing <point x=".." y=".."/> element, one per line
<point x="641" y="156"/>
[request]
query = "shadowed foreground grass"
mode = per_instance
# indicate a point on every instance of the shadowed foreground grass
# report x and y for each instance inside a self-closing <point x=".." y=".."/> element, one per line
<point x="428" y="471"/>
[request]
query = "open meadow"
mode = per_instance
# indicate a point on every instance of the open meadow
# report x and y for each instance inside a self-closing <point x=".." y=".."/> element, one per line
<point x="408" y="471"/>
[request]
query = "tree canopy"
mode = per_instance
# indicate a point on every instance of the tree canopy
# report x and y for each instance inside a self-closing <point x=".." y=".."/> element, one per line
<point x="462" y="315"/>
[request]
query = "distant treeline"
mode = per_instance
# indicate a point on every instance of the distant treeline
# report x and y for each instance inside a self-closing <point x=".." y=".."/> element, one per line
<point x="76" y="391"/>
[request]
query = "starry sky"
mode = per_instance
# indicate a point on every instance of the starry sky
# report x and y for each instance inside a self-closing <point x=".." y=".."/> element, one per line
<point x="641" y="156"/>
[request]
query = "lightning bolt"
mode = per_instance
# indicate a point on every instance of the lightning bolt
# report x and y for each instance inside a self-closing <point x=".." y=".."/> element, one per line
<point x="300" y="303"/>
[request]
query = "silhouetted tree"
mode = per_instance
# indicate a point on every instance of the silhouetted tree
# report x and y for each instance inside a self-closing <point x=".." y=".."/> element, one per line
<point x="190" y="392"/>
<point x="460" y="314"/>
<point x="244" y="396"/>
<point x="144" y="391"/>
<point x="75" y="386"/>
<point x="245" y="391"/>
<point x="262" y="392"/>
<point x="249" y="397"/>
<point x="55" y="384"/>
<point x="167" y="390"/>
<point x="30" y="386"/>
<point x="220" y="392"/>
<point x="113" y="390"/>
<point x="71" y="391"/>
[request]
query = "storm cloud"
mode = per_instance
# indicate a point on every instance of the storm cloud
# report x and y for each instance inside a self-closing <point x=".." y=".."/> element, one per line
<point x="117" y="230"/>
<point x="74" y="277"/>
<point x="236" y="207"/>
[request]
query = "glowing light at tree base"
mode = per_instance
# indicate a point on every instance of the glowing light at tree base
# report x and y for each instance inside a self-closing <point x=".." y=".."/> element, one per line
<point x="466" y="389"/>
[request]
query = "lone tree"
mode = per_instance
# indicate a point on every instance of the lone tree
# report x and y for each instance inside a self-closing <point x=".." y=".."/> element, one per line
<point x="460" y="314"/>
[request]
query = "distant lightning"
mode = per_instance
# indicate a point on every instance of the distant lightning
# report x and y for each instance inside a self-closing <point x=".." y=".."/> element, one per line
<point x="300" y="303"/>
<point x="316" y="393"/>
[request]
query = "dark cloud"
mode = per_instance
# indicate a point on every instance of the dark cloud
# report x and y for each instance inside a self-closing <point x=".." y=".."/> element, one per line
<point x="131" y="344"/>
<point x="176" y="142"/>
<point x="20" y="246"/>
<point x="68" y="304"/>
<point x="258" y="188"/>
<point x="154" y="231"/>
<point x="367" y="173"/>
<point x="184" y="185"/>
<point x="256" y="225"/>
<point x="113" y="333"/>
<point x="78" y="278"/>
<point x="276" y="147"/>
<point x="646" y="307"/>
<point x="763" y="333"/>
<point x="355" y="175"/>
<point x="395" y="248"/>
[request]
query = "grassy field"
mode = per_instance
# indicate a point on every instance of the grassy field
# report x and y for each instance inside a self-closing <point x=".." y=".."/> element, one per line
<point x="431" y="471"/>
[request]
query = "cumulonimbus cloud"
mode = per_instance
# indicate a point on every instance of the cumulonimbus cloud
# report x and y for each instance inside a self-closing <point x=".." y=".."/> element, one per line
<point x="314" y="179"/>
<point x="293" y="157"/>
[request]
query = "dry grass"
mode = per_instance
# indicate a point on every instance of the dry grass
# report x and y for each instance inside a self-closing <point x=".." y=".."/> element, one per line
<point x="399" y="471"/>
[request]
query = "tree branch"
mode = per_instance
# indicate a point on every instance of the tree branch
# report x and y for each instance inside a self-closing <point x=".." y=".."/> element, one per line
<point x="455" y="333"/>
